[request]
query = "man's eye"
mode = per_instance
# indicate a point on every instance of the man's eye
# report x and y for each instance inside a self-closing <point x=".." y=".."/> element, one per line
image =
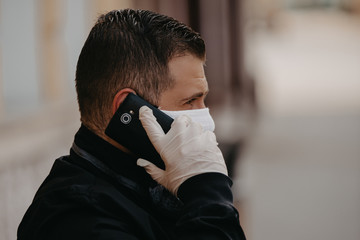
<point x="190" y="101"/>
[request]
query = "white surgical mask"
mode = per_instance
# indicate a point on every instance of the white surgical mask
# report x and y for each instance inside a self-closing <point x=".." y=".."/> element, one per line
<point x="201" y="116"/>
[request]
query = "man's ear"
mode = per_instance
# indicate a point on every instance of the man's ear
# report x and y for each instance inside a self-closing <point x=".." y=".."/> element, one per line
<point x="120" y="97"/>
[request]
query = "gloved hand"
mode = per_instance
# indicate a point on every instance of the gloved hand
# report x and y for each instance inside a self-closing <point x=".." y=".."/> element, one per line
<point x="186" y="150"/>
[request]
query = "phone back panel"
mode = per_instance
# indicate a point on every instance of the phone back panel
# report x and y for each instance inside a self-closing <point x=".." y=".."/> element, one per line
<point x="126" y="128"/>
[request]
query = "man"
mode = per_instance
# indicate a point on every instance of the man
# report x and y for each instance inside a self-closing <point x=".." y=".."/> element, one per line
<point x="103" y="190"/>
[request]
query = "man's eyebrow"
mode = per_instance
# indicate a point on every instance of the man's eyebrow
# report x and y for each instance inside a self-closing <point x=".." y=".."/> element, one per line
<point x="196" y="95"/>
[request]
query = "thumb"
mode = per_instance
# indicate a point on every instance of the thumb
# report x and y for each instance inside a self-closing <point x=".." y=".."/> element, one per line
<point x="155" y="172"/>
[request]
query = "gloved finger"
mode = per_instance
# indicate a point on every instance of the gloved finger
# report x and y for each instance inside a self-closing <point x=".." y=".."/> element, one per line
<point x="196" y="128"/>
<point x="155" y="172"/>
<point x="151" y="126"/>
<point x="211" y="136"/>
<point x="184" y="130"/>
<point x="181" y="123"/>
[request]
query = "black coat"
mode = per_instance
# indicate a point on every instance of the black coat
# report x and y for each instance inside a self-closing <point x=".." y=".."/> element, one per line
<point x="98" y="192"/>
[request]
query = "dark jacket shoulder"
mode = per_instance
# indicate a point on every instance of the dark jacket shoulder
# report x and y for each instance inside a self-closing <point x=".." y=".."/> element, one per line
<point x="85" y="204"/>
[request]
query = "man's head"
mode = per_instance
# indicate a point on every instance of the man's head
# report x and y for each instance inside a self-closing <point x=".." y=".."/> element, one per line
<point x="130" y="49"/>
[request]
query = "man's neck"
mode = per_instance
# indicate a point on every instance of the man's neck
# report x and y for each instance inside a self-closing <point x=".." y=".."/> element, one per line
<point x="101" y="133"/>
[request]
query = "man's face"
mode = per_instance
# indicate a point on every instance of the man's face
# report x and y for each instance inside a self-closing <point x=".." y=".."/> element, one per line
<point x="190" y="87"/>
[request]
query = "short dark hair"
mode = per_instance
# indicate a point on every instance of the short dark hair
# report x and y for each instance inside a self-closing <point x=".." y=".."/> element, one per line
<point x="129" y="48"/>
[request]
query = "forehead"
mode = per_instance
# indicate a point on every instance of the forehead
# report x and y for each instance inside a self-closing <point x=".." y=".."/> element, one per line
<point x="189" y="79"/>
<point x="187" y="70"/>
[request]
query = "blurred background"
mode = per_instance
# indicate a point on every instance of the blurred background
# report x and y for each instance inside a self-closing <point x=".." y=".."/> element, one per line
<point x="285" y="95"/>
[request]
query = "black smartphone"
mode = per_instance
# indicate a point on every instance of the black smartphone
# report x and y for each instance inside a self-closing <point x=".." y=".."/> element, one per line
<point x="126" y="128"/>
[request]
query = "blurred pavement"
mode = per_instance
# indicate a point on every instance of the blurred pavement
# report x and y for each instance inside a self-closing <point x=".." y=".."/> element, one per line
<point x="299" y="177"/>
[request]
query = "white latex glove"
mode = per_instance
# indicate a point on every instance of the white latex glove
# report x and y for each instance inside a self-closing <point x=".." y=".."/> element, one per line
<point x="186" y="150"/>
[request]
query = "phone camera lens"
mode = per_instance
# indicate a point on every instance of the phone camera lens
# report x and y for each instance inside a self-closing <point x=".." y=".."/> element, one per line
<point x="125" y="118"/>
